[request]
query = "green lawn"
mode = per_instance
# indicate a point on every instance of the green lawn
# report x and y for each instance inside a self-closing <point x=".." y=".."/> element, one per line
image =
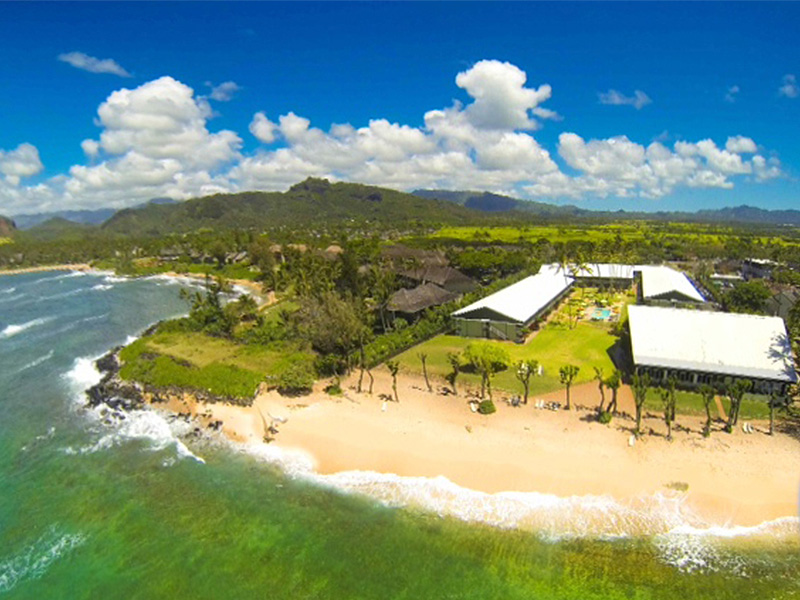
<point x="586" y="346"/>
<point x="754" y="406"/>
<point x="195" y="360"/>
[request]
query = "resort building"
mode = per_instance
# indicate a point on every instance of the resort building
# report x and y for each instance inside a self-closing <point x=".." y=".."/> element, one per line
<point x="509" y="313"/>
<point x="663" y="286"/>
<point x="758" y="268"/>
<point x="409" y="303"/>
<point x="446" y="278"/>
<point x="604" y="275"/>
<point x="716" y="348"/>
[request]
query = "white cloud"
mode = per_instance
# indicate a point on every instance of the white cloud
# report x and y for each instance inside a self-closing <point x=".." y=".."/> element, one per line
<point x="82" y="61"/>
<point x="262" y="128"/>
<point x="501" y="100"/>
<point x="741" y="145"/>
<point x="789" y="87"/>
<point x="731" y="93"/>
<point x="21" y="162"/>
<point x="154" y="142"/>
<point x="224" y="91"/>
<point x="613" y="97"/>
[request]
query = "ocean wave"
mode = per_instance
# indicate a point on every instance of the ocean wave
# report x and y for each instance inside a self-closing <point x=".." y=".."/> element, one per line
<point x="12" y="330"/>
<point x="680" y="536"/>
<point x="36" y="362"/>
<point x="83" y="375"/>
<point x="115" y="279"/>
<point x="119" y="427"/>
<point x="6" y="299"/>
<point x="68" y="294"/>
<point x="10" y="290"/>
<point x="34" y="560"/>
<point x="102" y="287"/>
<point x="145" y="425"/>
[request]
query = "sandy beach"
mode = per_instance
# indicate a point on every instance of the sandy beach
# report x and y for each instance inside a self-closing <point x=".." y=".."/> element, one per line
<point x="731" y="479"/>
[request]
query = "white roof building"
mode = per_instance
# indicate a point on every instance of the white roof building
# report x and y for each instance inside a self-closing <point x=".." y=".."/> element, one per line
<point x="664" y="283"/>
<point x="522" y="301"/>
<point x="731" y="344"/>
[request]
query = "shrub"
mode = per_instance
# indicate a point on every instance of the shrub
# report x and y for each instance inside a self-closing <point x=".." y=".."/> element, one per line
<point x="295" y="379"/>
<point x="487" y="407"/>
<point x="334" y="389"/>
<point x="604" y="417"/>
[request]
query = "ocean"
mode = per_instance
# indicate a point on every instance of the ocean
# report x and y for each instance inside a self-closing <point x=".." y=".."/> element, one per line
<point x="142" y="505"/>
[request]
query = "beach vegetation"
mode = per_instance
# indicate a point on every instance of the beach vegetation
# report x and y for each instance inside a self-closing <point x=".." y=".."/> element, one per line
<point x="567" y="375"/>
<point x="487" y="360"/>
<point x="297" y="378"/>
<point x="487" y="407"/>
<point x="747" y="297"/>
<point x="604" y="417"/>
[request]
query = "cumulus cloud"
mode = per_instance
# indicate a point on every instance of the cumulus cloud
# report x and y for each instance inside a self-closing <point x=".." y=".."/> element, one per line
<point x="262" y="128"/>
<point x="82" y="61"/>
<point x="224" y="91"/>
<point x="740" y="145"/>
<point x="21" y="162"/>
<point x="615" y="98"/>
<point x="154" y="142"/>
<point x="789" y="88"/>
<point x="731" y="93"/>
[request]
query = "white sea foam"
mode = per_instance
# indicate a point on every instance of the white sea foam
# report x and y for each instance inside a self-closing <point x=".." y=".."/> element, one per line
<point x="12" y="330"/>
<point x="34" y="560"/>
<point x="83" y="375"/>
<point x="102" y="287"/>
<point x="143" y="425"/>
<point x="682" y="538"/>
<point x="10" y="290"/>
<point x="6" y="299"/>
<point x="36" y="362"/>
<point x="116" y="279"/>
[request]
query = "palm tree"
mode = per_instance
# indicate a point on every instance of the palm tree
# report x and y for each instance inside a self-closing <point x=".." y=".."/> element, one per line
<point x="394" y="367"/>
<point x="707" y="393"/>
<point x="423" y="356"/>
<point x="641" y="383"/>
<point x="613" y="383"/>
<point x="567" y="374"/>
<point x="598" y="375"/>
<point x="736" y="392"/>
<point x="526" y="368"/>
<point x="454" y="358"/>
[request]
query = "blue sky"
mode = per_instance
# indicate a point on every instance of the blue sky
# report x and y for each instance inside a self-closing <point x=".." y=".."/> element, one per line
<point x="650" y="106"/>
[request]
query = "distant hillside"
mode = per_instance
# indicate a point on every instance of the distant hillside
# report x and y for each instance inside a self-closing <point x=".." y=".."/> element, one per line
<point x="7" y="227"/>
<point x="88" y="217"/>
<point x="306" y="203"/>
<point x="488" y="202"/>
<point x="57" y="228"/>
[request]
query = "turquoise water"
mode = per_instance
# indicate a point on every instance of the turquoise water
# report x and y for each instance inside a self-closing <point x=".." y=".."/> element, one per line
<point x="97" y="506"/>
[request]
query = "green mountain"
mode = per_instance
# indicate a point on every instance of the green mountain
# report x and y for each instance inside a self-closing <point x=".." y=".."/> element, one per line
<point x="313" y="201"/>
<point x="7" y="227"/>
<point x="57" y="228"/>
<point x="489" y="202"/>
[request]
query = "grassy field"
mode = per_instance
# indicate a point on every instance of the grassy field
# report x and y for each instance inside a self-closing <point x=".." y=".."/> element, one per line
<point x="691" y="403"/>
<point x="630" y="231"/>
<point x="5" y="240"/>
<point x="586" y="346"/>
<point x="197" y="361"/>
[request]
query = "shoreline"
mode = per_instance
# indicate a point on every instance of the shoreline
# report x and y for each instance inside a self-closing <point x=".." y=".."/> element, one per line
<point x="358" y="440"/>
<point x="84" y="267"/>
